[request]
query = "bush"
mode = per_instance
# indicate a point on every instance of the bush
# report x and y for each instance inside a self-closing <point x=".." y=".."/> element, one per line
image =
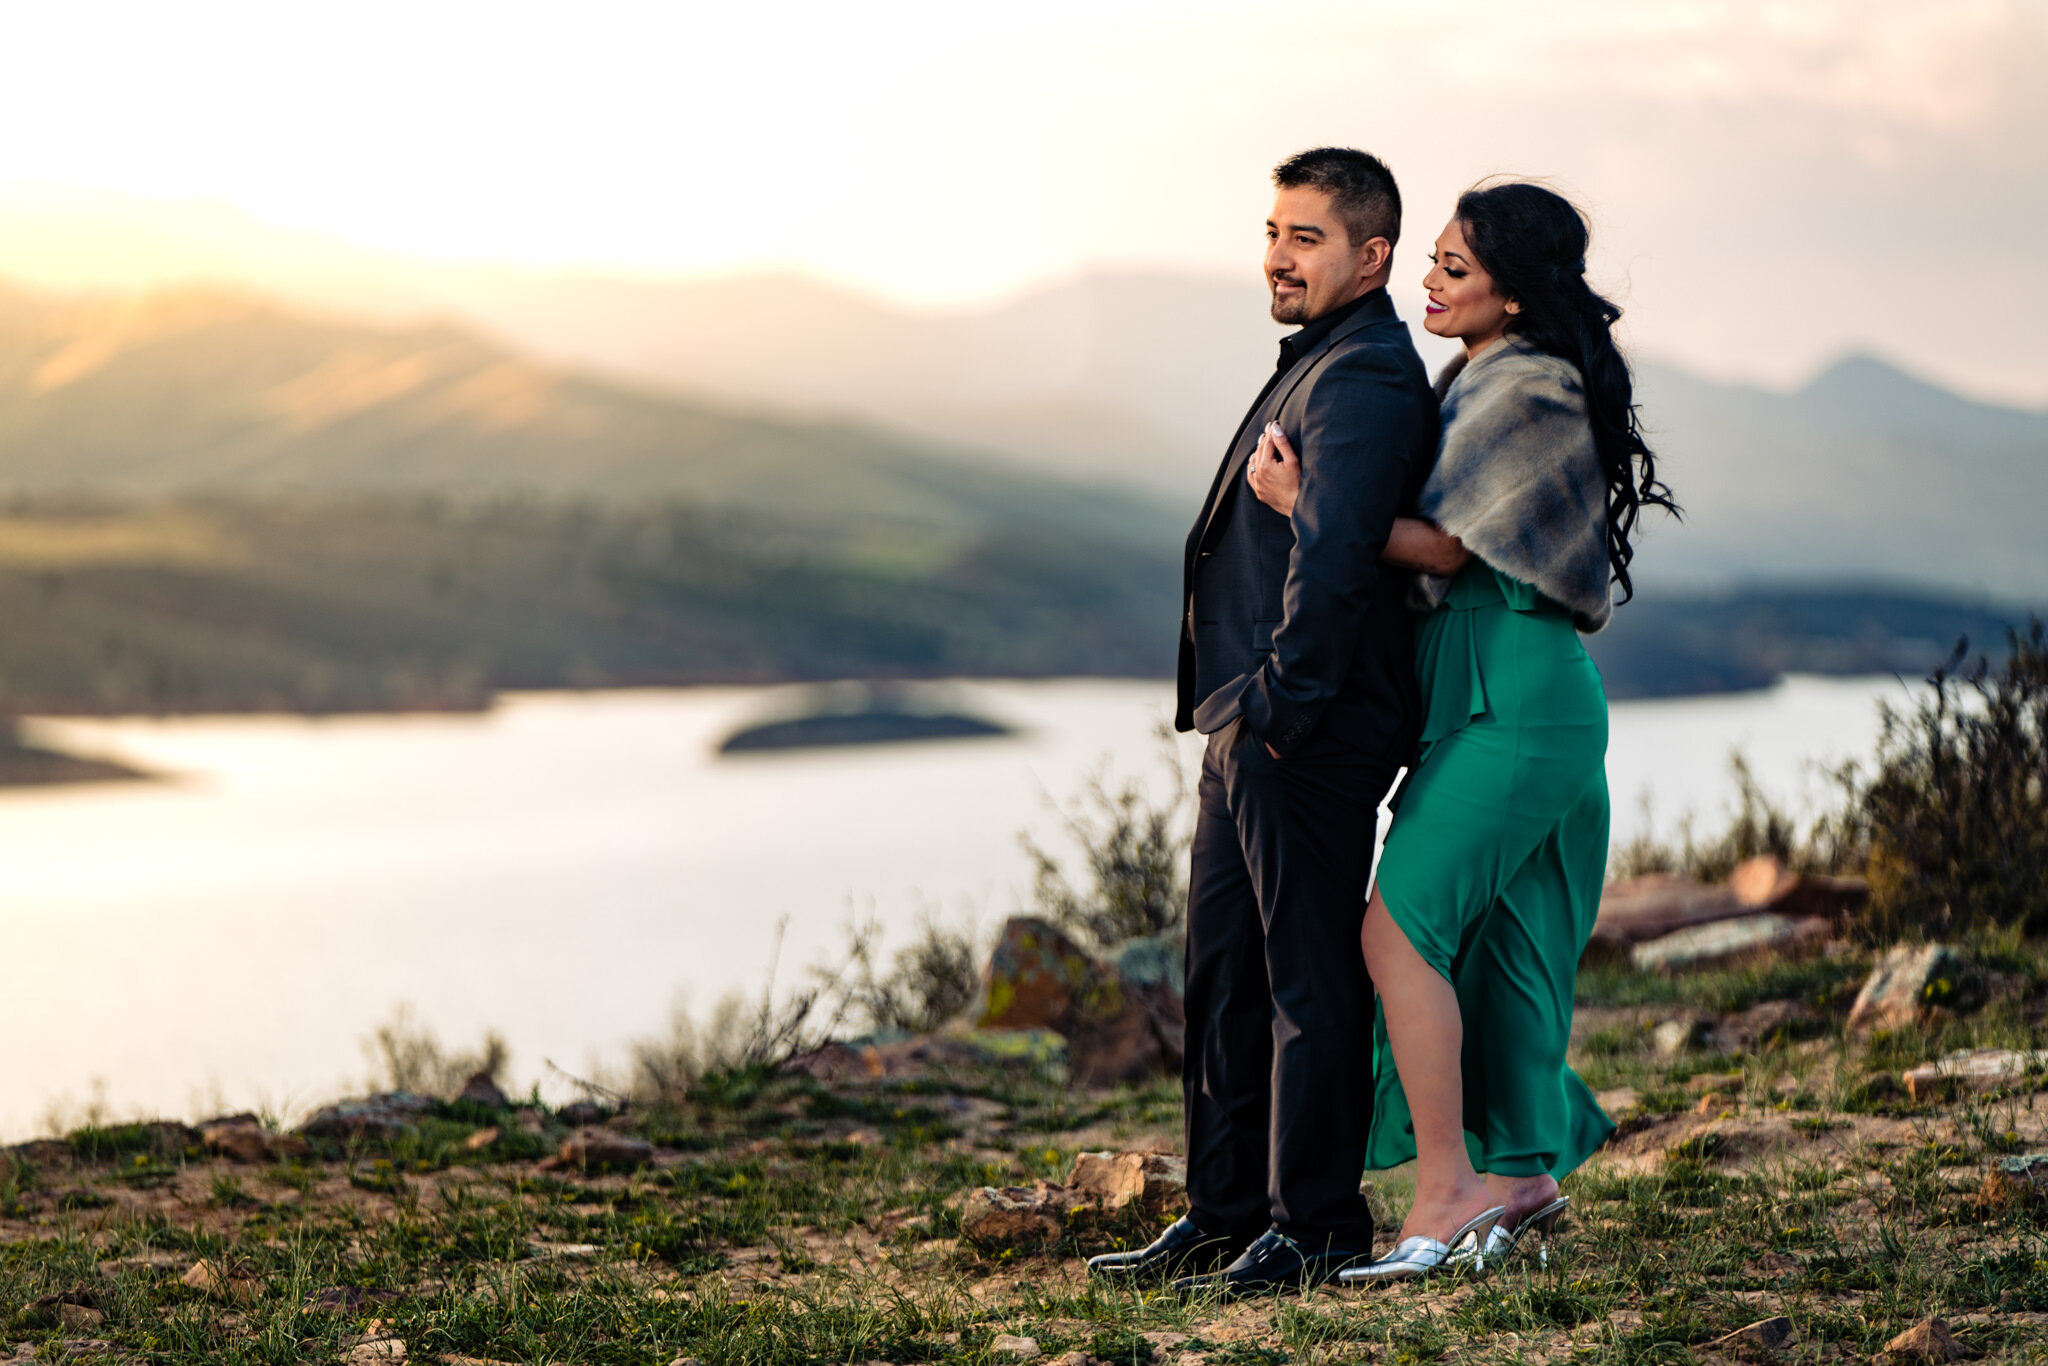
<point x="1759" y="827"/>
<point x="408" y="1057"/>
<point x="1952" y="822"/>
<point x="1136" y="852"/>
<point x="930" y="981"/>
<point x="1949" y="824"/>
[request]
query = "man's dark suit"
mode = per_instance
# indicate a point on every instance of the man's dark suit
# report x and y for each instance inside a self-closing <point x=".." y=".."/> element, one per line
<point x="1294" y="637"/>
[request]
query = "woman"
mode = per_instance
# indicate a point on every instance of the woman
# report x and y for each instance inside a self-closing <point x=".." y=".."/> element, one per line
<point x="1490" y="880"/>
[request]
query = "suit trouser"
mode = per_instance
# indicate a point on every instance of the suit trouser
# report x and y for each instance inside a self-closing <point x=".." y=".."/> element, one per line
<point x="1279" y="1069"/>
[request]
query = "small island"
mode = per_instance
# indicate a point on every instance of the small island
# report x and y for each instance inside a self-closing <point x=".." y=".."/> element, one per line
<point x="26" y="765"/>
<point x="847" y="714"/>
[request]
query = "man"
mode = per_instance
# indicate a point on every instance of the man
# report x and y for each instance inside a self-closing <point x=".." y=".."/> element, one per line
<point x="1296" y="660"/>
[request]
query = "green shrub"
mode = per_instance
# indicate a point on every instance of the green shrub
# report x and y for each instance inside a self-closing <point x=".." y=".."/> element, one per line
<point x="1135" y="849"/>
<point x="1953" y="818"/>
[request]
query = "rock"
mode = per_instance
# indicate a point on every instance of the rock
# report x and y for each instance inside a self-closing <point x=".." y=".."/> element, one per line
<point x="1907" y="981"/>
<point x="530" y="1120"/>
<point x="1012" y="1216"/>
<point x="1076" y="1359"/>
<point x="1765" y="884"/>
<point x="1620" y="1104"/>
<point x="348" y="1299"/>
<point x="146" y="1262"/>
<point x="1714" y="1083"/>
<point x="71" y="1311"/>
<point x="480" y="1140"/>
<point x="245" y="1138"/>
<point x="583" y="1112"/>
<point x="2012" y="1180"/>
<point x="222" y="1281"/>
<point x="385" y="1115"/>
<point x="1674" y="1038"/>
<point x="1725" y="942"/>
<point x="1158" y="1182"/>
<point x="481" y="1089"/>
<point x="1927" y="1340"/>
<point x="605" y="1148"/>
<point x="569" y="1250"/>
<point x="1123" y="1020"/>
<point x="928" y="1055"/>
<point x="1765" y="1023"/>
<point x="1639" y="909"/>
<point x="376" y="1352"/>
<point x="1973" y="1069"/>
<point x="42" y="1152"/>
<point x="1762" y="1338"/>
<point x="1111" y="1179"/>
<point x="1009" y="1344"/>
<point x="1164" y="1341"/>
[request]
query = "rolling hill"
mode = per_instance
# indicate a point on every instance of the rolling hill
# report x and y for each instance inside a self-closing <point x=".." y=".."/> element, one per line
<point x="208" y="392"/>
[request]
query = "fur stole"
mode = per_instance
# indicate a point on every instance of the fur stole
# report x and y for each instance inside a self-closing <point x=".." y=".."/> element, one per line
<point x="1517" y="479"/>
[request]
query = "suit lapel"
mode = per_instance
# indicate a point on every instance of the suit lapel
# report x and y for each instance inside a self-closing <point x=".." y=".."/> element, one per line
<point x="1240" y="452"/>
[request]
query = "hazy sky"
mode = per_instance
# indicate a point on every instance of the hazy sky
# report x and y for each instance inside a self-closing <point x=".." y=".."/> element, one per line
<point x="1771" y="183"/>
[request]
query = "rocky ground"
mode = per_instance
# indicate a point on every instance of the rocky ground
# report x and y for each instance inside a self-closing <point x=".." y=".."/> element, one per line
<point x="1784" y="1187"/>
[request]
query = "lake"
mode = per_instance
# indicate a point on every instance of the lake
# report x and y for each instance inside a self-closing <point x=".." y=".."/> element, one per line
<point x="568" y="868"/>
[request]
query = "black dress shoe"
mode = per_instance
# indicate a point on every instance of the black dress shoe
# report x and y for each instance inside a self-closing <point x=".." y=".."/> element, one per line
<point x="1181" y="1250"/>
<point x="1274" y="1263"/>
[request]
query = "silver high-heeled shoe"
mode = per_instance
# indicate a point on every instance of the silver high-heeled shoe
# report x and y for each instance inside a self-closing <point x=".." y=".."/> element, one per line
<point x="1500" y="1242"/>
<point x="1420" y="1256"/>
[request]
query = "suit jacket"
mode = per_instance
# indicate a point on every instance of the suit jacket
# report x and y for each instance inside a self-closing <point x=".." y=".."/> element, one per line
<point x="1294" y="624"/>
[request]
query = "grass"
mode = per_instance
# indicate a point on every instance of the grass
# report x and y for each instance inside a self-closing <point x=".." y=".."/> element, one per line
<point x="790" y="1222"/>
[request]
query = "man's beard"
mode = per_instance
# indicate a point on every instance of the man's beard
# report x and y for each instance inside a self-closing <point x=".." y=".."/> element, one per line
<point x="1292" y="312"/>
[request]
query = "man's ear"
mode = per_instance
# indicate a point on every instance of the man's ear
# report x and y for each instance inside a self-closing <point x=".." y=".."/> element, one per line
<point x="1379" y="254"/>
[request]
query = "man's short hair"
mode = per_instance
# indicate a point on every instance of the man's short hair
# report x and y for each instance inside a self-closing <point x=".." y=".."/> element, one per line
<point x="1360" y="186"/>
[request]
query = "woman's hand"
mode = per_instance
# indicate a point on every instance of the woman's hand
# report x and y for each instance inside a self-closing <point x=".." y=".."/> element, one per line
<point x="1275" y="471"/>
<point x="1416" y="544"/>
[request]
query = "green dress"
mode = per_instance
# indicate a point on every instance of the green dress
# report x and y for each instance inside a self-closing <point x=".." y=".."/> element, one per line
<point x="1494" y="864"/>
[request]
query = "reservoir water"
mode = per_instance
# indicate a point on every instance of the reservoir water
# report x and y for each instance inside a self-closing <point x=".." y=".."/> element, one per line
<point x="567" y="868"/>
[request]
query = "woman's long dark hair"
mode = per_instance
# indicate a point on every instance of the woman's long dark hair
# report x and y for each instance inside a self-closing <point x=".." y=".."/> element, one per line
<point x="1532" y="241"/>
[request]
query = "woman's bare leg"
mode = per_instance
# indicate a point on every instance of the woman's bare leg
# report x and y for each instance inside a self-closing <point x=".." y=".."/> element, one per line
<point x="1428" y="1038"/>
<point x="1523" y="1195"/>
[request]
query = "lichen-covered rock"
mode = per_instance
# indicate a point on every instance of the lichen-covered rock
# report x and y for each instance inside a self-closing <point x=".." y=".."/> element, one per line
<point x="1037" y="977"/>
<point x="1012" y="1217"/>
<point x="1124" y="1019"/>
<point x="1908" y="981"/>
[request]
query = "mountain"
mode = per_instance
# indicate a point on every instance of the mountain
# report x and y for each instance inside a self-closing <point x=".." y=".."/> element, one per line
<point x="1865" y="471"/>
<point x="207" y="391"/>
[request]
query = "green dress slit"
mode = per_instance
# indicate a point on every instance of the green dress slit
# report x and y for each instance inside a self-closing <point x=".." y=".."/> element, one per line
<point x="1493" y="868"/>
